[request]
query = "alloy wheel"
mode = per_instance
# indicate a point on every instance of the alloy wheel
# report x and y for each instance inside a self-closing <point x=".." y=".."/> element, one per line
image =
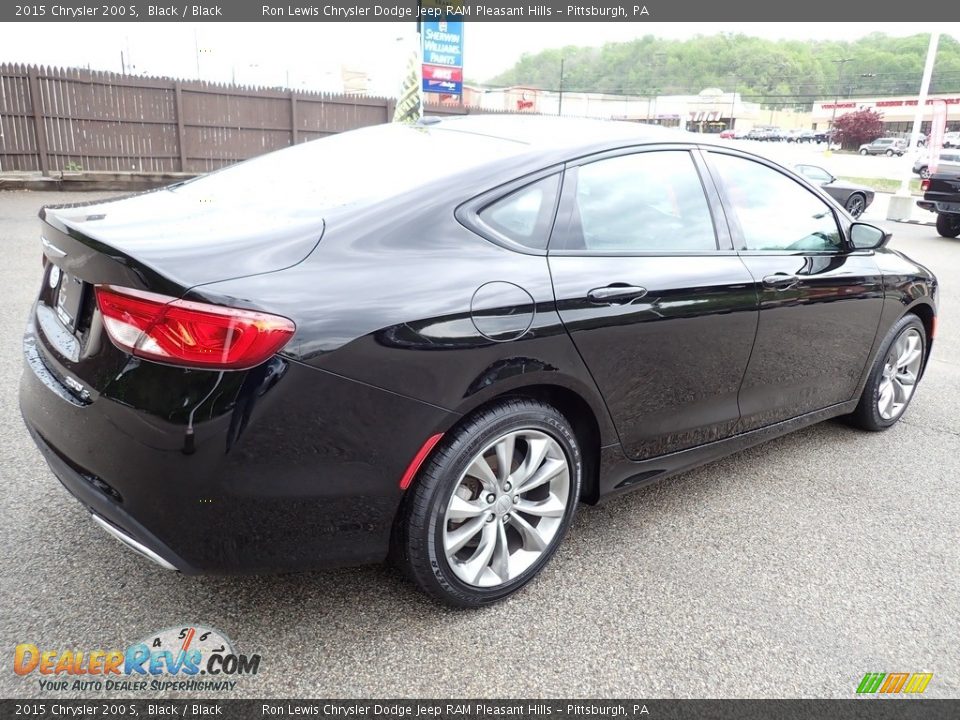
<point x="856" y="205"/>
<point x="507" y="508"/>
<point x="900" y="373"/>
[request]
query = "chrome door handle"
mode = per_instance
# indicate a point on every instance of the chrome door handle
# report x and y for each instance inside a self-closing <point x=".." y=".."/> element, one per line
<point x="616" y="293"/>
<point x="780" y="281"/>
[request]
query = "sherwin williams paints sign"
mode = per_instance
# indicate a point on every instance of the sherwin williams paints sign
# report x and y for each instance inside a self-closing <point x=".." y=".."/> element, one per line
<point x="442" y="56"/>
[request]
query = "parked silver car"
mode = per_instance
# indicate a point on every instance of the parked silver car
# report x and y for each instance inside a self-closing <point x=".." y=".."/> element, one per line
<point x="884" y="146"/>
<point x="922" y="165"/>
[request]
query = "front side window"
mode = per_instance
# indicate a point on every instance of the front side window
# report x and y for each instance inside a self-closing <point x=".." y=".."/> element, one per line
<point x="646" y="202"/>
<point x="773" y="211"/>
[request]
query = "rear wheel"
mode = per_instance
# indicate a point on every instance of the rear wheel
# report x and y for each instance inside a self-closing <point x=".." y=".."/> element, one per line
<point x="491" y="506"/>
<point x="924" y="172"/>
<point x="893" y="377"/>
<point x="889" y="153"/>
<point x="948" y="225"/>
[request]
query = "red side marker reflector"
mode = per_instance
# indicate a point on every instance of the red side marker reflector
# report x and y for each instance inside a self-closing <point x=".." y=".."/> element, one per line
<point x="933" y="328"/>
<point x="418" y="460"/>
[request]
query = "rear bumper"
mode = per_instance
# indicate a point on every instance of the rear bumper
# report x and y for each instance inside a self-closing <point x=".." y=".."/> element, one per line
<point x="120" y="524"/>
<point x="298" y="473"/>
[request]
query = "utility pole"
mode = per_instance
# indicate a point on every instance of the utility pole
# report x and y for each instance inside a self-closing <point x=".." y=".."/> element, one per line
<point x="733" y="100"/>
<point x="840" y="63"/>
<point x="560" y="101"/>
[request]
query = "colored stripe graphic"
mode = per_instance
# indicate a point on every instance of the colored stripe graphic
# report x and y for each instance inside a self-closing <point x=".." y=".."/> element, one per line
<point x="894" y="682"/>
<point x="918" y="682"/>
<point x="871" y="682"/>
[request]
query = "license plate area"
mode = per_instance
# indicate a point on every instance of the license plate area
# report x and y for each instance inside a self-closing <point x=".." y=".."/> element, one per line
<point x="68" y="296"/>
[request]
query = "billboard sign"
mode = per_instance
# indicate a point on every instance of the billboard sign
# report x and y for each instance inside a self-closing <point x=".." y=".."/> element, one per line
<point x="442" y="56"/>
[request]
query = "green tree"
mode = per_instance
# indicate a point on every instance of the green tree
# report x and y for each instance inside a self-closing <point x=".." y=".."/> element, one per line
<point x="781" y="73"/>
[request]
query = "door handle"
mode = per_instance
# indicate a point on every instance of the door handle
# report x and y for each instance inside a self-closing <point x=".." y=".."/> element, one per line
<point x="616" y="294"/>
<point x="780" y="281"/>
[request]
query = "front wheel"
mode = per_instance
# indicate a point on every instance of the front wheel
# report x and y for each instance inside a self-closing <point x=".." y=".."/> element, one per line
<point x="492" y="504"/>
<point x="948" y="225"/>
<point x="893" y="377"/>
<point x="925" y="173"/>
<point x="855" y="205"/>
<point x="863" y="152"/>
<point x="889" y="153"/>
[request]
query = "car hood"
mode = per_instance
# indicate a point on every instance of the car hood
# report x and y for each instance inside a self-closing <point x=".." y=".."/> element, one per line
<point x="191" y="239"/>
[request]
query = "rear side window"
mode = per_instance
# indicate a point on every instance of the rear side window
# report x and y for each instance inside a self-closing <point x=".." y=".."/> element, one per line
<point x="525" y="215"/>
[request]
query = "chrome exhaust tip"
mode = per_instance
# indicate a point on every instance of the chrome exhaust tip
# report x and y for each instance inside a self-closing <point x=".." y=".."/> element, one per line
<point x="132" y="544"/>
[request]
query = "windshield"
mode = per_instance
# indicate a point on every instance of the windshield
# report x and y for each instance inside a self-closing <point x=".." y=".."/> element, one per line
<point x="351" y="167"/>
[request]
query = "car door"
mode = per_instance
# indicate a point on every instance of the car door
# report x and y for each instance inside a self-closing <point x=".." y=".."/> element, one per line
<point x="660" y="307"/>
<point x="820" y="301"/>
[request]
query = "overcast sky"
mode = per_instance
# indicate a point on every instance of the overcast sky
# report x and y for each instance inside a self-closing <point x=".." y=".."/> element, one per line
<point x="309" y="54"/>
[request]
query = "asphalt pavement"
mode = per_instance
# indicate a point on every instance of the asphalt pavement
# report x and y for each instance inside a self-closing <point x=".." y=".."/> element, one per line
<point x="790" y="569"/>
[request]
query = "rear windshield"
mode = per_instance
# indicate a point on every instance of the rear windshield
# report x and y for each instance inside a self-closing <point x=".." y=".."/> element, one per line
<point x="351" y="167"/>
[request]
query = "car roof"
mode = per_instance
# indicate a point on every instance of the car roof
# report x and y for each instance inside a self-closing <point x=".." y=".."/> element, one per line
<point x="544" y="132"/>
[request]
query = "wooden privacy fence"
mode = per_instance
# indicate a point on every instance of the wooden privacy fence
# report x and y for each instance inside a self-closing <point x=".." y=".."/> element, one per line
<point x="55" y="120"/>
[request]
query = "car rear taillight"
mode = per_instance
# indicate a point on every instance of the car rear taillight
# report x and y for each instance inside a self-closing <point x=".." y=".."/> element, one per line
<point x="181" y="332"/>
<point x="925" y="185"/>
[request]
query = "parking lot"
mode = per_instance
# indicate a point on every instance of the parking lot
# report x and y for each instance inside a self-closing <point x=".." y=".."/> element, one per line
<point x="841" y="164"/>
<point x="790" y="569"/>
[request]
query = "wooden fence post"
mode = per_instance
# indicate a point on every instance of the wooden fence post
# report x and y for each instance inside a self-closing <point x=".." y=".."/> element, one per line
<point x="294" y="130"/>
<point x="178" y="101"/>
<point x="39" y="126"/>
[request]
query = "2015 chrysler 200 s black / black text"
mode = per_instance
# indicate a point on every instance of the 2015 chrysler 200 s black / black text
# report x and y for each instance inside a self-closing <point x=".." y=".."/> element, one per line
<point x="432" y="341"/>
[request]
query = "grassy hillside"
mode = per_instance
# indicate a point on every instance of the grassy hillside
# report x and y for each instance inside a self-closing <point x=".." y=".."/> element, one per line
<point x="783" y="73"/>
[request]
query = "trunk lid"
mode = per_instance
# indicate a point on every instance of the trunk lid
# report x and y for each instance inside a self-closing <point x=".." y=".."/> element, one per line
<point x="162" y="242"/>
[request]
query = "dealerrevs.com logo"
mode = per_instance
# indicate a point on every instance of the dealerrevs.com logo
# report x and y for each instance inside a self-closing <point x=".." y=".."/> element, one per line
<point x="188" y="658"/>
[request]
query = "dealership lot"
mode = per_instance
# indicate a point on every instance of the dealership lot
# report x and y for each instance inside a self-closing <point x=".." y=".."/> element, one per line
<point x="789" y="569"/>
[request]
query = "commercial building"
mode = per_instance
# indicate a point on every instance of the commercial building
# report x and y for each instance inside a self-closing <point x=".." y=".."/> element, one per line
<point x="710" y="111"/>
<point x="898" y="112"/>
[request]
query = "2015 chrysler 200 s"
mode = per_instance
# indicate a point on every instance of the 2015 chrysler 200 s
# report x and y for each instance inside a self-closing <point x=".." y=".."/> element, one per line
<point x="432" y="341"/>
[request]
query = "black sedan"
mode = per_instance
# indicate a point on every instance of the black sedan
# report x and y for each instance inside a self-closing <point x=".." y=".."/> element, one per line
<point x="432" y="342"/>
<point x="854" y="198"/>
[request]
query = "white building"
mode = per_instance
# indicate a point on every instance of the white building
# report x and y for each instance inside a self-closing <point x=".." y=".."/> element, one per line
<point x="711" y="110"/>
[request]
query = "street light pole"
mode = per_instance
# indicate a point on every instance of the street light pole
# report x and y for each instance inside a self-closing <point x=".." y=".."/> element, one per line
<point x="900" y="206"/>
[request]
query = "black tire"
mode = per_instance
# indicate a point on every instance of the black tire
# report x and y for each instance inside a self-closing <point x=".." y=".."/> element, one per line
<point x="924" y="173"/>
<point x="948" y="225"/>
<point x="867" y="414"/>
<point x="856" y="204"/>
<point x="863" y="152"/>
<point x="418" y="532"/>
<point x="889" y="153"/>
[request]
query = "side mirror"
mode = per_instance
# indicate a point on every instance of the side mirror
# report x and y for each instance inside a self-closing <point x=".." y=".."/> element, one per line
<point x="868" y="237"/>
